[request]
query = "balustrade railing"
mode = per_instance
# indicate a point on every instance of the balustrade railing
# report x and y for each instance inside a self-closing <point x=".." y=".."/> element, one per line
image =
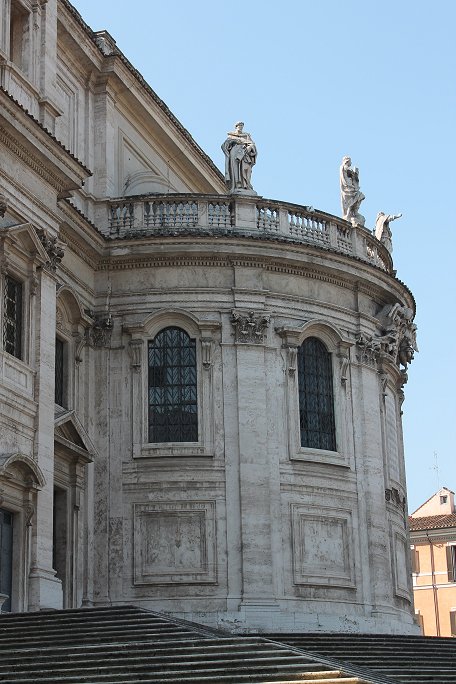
<point x="149" y="214"/>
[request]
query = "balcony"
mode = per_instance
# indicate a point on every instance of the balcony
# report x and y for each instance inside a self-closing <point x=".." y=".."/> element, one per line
<point x="245" y="216"/>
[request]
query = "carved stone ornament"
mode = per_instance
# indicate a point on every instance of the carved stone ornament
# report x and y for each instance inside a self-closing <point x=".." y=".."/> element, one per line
<point x="393" y="495"/>
<point x="135" y="348"/>
<point x="292" y="358"/>
<point x="383" y="382"/>
<point x="399" y="333"/>
<point x="207" y="347"/>
<point x="249" y="328"/>
<point x="29" y="513"/>
<point x="344" y="364"/>
<point x="99" y="334"/>
<point x="54" y="248"/>
<point x="368" y="350"/>
<point x="397" y="341"/>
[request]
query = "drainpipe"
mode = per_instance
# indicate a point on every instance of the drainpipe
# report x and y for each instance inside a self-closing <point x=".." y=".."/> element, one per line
<point x="434" y="587"/>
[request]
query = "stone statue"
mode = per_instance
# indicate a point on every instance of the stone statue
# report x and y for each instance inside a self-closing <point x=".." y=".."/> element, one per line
<point x="383" y="231"/>
<point x="240" y="156"/>
<point x="350" y="194"/>
<point x="399" y="339"/>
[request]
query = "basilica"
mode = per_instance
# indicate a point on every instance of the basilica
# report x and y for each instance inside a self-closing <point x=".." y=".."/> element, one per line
<point x="200" y="388"/>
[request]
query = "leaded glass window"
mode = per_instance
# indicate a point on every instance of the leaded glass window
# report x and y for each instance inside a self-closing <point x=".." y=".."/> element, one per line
<point x="173" y="407"/>
<point x="316" y="398"/>
<point x="59" y="372"/>
<point x="12" y="317"/>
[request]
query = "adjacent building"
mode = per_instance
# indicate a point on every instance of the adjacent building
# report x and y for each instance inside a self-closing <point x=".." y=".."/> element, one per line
<point x="200" y="388"/>
<point x="433" y="544"/>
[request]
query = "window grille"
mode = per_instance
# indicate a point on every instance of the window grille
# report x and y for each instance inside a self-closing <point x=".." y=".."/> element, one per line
<point x="12" y="317"/>
<point x="173" y="408"/>
<point x="59" y="372"/>
<point x="316" y="398"/>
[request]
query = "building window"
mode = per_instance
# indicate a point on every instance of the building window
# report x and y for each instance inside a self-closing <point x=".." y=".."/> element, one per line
<point x="12" y="317"/>
<point x="316" y="398"/>
<point x="415" y="560"/>
<point x="451" y="562"/>
<point x="173" y="408"/>
<point x="443" y="499"/>
<point x="59" y="372"/>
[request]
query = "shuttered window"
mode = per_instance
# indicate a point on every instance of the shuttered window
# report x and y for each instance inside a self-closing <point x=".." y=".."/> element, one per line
<point x="451" y="562"/>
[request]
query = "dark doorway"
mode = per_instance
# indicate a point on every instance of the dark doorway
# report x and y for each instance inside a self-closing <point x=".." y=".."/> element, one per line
<point x="60" y="538"/>
<point x="6" y="557"/>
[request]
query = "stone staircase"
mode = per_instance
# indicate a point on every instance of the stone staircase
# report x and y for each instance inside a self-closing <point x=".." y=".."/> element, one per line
<point x="407" y="659"/>
<point x="127" y="644"/>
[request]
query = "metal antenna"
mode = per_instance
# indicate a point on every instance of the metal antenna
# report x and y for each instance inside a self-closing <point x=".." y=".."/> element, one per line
<point x="436" y="468"/>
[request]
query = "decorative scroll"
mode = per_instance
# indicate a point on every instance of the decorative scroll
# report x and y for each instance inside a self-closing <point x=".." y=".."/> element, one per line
<point x="99" y="335"/>
<point x="54" y="248"/>
<point x="393" y="495"/>
<point x="249" y="328"/>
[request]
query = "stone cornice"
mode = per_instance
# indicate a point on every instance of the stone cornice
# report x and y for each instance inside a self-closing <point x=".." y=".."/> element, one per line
<point x="35" y="146"/>
<point x="278" y="263"/>
<point x="118" y="56"/>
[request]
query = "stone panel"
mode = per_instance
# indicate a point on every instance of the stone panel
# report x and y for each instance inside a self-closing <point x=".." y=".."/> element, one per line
<point x="322" y="546"/>
<point x="174" y="542"/>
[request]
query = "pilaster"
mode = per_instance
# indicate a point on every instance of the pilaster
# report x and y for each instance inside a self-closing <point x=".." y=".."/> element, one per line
<point x="45" y="590"/>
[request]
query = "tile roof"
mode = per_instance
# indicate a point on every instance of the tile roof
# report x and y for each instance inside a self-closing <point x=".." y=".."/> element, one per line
<point x="432" y="522"/>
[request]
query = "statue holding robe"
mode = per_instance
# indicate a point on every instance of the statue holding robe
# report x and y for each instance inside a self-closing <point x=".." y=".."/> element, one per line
<point x="240" y="156"/>
<point x="350" y="194"/>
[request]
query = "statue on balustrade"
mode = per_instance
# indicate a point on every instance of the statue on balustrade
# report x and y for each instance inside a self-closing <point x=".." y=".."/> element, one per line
<point x="240" y="156"/>
<point x="383" y="231"/>
<point x="350" y="194"/>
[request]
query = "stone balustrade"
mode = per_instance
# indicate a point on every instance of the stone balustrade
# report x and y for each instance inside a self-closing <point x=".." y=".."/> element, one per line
<point x="148" y="215"/>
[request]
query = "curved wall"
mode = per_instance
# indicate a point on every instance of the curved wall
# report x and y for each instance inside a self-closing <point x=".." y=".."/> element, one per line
<point x="246" y="529"/>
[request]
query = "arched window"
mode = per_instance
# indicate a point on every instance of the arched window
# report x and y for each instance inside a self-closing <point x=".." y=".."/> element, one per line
<point x="316" y="398"/>
<point x="173" y="407"/>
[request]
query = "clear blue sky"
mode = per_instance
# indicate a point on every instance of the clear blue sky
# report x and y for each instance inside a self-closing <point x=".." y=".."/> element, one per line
<point x="314" y="81"/>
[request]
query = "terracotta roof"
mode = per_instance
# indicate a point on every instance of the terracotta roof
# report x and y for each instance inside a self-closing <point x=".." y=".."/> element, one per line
<point x="432" y="522"/>
<point x="92" y="35"/>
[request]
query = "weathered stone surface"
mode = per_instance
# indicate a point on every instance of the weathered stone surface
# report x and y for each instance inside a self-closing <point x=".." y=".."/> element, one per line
<point x="243" y="527"/>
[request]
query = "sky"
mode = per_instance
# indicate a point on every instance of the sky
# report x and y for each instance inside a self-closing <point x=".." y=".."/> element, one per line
<point x="314" y="81"/>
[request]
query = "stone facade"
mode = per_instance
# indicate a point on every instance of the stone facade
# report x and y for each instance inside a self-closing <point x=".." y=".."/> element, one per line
<point x="117" y="226"/>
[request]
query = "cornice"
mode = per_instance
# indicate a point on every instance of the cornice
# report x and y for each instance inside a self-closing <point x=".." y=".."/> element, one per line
<point x="11" y="105"/>
<point x="116" y="54"/>
<point x="273" y="263"/>
<point x="23" y="153"/>
<point x="80" y="248"/>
